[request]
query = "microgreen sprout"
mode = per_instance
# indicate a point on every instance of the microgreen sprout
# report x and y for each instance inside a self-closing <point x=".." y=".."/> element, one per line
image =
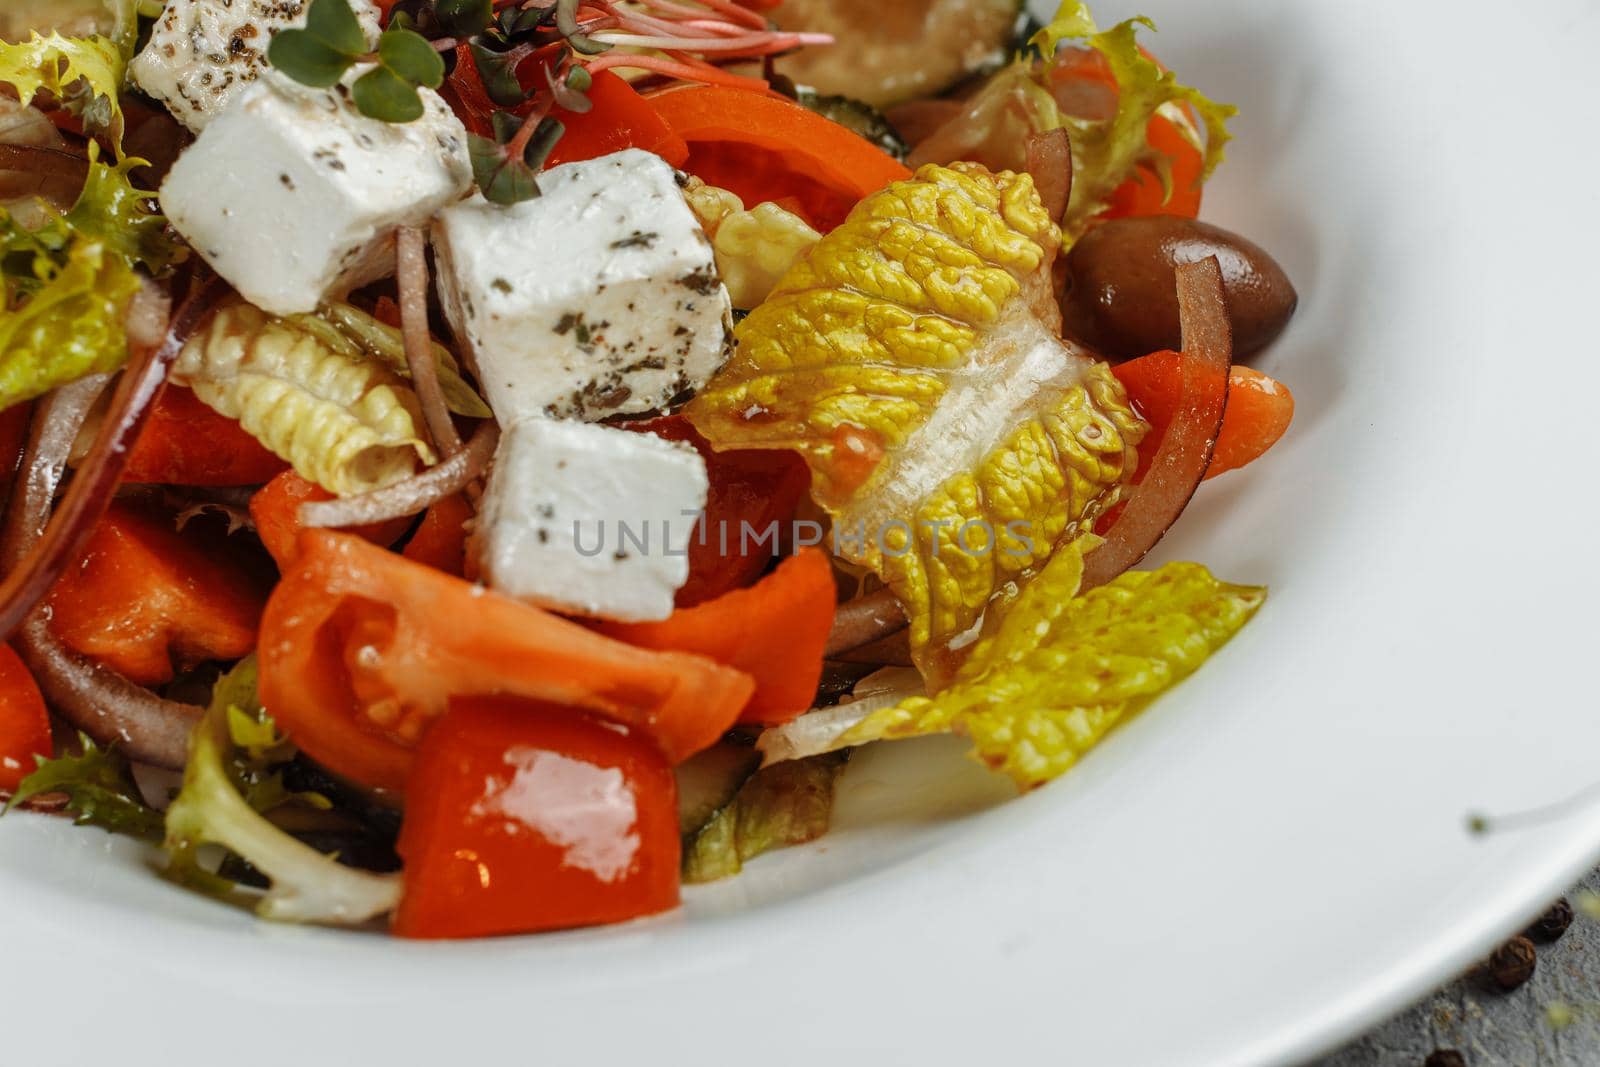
<point x="529" y="58"/>
<point x="332" y="41"/>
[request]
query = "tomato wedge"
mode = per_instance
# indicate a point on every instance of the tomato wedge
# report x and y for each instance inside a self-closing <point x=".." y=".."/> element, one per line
<point x="764" y="147"/>
<point x="753" y="492"/>
<point x="146" y="598"/>
<point x="774" y="631"/>
<point x="1258" y="414"/>
<point x="362" y="650"/>
<point x="441" y="539"/>
<point x="523" y="817"/>
<point x="24" y="722"/>
<point x="275" y="509"/>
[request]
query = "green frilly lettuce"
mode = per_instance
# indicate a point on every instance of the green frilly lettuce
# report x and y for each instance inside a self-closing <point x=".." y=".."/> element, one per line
<point x="100" y="790"/>
<point x="231" y="778"/>
<point x="83" y="73"/>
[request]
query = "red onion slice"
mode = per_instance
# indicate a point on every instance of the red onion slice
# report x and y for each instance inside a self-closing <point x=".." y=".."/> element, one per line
<point x="1050" y="167"/>
<point x="414" y="495"/>
<point x="93" y="698"/>
<point x="35" y="561"/>
<point x="1180" y="463"/>
<point x="864" y="620"/>
<point x="412" y="278"/>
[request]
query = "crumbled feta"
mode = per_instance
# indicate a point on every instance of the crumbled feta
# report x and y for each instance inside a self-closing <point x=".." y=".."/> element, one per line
<point x="589" y="519"/>
<point x="600" y="297"/>
<point x="202" y="53"/>
<point x="293" y="196"/>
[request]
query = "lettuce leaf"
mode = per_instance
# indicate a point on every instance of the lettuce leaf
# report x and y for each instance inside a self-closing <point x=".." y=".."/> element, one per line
<point x="70" y="325"/>
<point x="785" y="804"/>
<point x="68" y="283"/>
<point x="231" y="777"/>
<point x="100" y="790"/>
<point x="84" y="73"/>
<point x="913" y="358"/>
<point x="1105" y="151"/>
<point x="1054" y="672"/>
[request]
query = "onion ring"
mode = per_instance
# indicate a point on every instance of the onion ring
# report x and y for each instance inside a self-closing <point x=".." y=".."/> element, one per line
<point x="864" y="620"/>
<point x="33" y="569"/>
<point x="415" y="494"/>
<point x="93" y="698"/>
<point x="411" y="270"/>
<point x="1050" y="167"/>
<point x="1185" y="453"/>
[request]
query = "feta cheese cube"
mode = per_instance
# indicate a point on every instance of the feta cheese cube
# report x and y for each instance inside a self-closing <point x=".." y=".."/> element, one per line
<point x="294" y="196"/>
<point x="590" y="519"/>
<point x="202" y="53"/>
<point x="600" y="297"/>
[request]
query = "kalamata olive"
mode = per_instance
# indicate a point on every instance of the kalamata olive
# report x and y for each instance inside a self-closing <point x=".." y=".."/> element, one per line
<point x="1121" y="298"/>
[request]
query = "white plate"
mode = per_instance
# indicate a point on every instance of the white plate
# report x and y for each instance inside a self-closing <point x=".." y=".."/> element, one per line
<point x="1268" y="860"/>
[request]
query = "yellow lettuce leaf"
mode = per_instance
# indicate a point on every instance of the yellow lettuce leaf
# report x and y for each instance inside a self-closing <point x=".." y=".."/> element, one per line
<point x="913" y="358"/>
<point x="1054" y="672"/>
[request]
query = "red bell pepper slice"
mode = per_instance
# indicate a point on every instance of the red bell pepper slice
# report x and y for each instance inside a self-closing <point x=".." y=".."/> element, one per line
<point x="146" y="597"/>
<point x="754" y="490"/>
<point x="275" y="509"/>
<point x="774" y="631"/>
<point x="186" y="443"/>
<point x="24" y="722"/>
<point x="522" y="817"/>
<point x="362" y="650"/>
<point x="619" y="118"/>
<point x="764" y="147"/>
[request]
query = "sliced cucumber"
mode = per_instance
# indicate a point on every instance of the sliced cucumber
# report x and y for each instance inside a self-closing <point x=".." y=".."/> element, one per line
<point x="707" y="782"/>
<point x="889" y="51"/>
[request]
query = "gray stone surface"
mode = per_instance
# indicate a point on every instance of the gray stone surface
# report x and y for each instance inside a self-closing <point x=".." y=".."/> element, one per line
<point x="1494" y="1029"/>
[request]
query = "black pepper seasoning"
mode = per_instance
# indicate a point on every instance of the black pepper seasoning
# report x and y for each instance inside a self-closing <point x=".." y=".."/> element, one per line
<point x="1552" y="924"/>
<point x="1512" y="963"/>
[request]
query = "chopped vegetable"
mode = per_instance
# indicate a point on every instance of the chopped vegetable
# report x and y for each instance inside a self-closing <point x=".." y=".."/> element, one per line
<point x="213" y="809"/>
<point x="752" y="493"/>
<point x="100" y="790"/>
<point x="275" y="508"/>
<point x="708" y="780"/>
<point x="24" y="722"/>
<point x="362" y="651"/>
<point x="148" y="600"/>
<point x="522" y="818"/>
<point x="1258" y="411"/>
<point x="913" y="359"/>
<point x="84" y="73"/>
<point x="1111" y="145"/>
<point x="353" y="332"/>
<point x="782" y="805"/>
<point x="187" y="443"/>
<point x="69" y="284"/>
<point x="764" y="148"/>
<point x="1054" y="671"/>
<point x="344" y="422"/>
<point x="774" y="631"/>
<point x="441" y="539"/>
<point x="1174" y="472"/>
<point x="618" y="118"/>
<point x="754" y="248"/>
<point x="859" y="118"/>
